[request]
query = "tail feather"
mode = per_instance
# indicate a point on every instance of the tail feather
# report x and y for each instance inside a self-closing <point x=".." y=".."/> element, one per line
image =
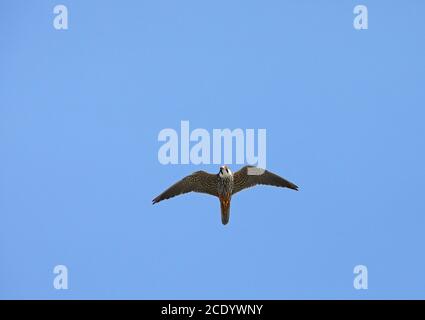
<point x="225" y="211"/>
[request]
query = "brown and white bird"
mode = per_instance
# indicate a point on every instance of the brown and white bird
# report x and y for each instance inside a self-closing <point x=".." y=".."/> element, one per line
<point x="224" y="185"/>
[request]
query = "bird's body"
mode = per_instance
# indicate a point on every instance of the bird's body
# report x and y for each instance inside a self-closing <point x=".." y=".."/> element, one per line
<point x="225" y="189"/>
<point x="224" y="185"/>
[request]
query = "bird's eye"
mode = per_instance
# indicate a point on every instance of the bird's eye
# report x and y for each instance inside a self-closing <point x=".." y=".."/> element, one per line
<point x="227" y="170"/>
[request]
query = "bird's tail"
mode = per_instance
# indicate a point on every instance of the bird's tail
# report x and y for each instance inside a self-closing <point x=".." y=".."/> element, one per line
<point x="225" y="210"/>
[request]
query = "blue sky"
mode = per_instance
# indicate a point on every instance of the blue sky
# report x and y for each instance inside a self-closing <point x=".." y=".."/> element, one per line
<point x="80" y="113"/>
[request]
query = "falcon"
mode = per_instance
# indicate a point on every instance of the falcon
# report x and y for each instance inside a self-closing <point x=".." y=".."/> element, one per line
<point x="224" y="185"/>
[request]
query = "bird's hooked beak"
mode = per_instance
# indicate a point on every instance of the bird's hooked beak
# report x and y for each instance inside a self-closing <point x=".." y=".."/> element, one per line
<point x="224" y="170"/>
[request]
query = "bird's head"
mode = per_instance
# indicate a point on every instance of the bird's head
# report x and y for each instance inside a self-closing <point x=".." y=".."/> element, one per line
<point x="224" y="172"/>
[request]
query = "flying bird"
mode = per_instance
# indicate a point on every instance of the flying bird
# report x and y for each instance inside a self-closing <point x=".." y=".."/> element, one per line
<point x="224" y="185"/>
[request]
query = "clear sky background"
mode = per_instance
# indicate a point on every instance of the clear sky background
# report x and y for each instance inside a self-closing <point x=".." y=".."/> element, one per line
<point x="81" y="109"/>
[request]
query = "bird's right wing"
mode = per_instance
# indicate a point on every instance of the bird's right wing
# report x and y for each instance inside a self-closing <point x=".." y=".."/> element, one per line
<point x="199" y="181"/>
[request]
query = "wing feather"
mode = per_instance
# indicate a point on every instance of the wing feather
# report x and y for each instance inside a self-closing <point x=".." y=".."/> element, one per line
<point x="250" y="176"/>
<point x="199" y="181"/>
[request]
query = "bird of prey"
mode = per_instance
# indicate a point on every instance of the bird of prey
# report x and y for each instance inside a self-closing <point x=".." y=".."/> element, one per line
<point x="224" y="185"/>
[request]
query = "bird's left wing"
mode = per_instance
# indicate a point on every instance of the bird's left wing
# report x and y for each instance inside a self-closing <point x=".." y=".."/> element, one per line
<point x="250" y="176"/>
<point x="199" y="181"/>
